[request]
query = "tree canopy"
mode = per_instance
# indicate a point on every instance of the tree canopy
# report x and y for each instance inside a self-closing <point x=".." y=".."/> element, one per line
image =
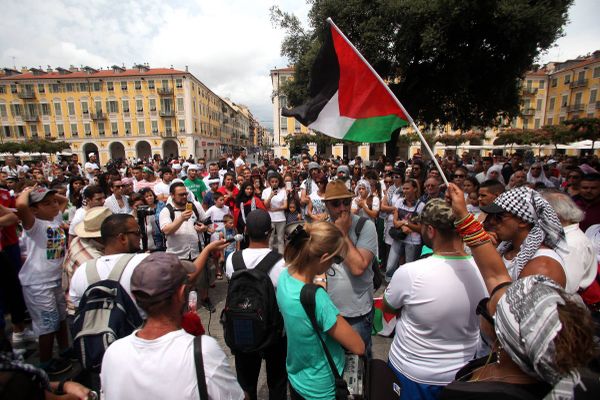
<point x="34" y="146"/>
<point x="448" y="61"/>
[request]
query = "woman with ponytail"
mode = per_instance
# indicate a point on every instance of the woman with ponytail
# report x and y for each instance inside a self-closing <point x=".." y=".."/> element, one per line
<point x="308" y="255"/>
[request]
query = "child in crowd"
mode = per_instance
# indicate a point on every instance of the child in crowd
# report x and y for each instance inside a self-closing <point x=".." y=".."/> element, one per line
<point x="293" y="212"/>
<point x="227" y="232"/>
<point x="40" y="211"/>
<point x="217" y="214"/>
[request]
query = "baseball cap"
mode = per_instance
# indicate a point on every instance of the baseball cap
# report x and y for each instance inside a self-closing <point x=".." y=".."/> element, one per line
<point x="157" y="277"/>
<point x="258" y="224"/>
<point x="517" y="201"/>
<point x="38" y="194"/>
<point x="193" y="167"/>
<point x="344" y="169"/>
<point x="436" y="213"/>
<point x="313" y="165"/>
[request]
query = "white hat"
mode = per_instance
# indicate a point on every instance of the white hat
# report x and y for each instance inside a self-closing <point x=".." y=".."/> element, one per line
<point x="185" y="164"/>
<point x="176" y="180"/>
<point x="193" y="167"/>
<point x="176" y="166"/>
<point x="90" y="226"/>
<point x="91" y="154"/>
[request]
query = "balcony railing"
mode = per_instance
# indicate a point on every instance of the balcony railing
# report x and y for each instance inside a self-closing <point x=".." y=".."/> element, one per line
<point x="167" y="113"/>
<point x="31" y="117"/>
<point x="529" y="91"/>
<point x="26" y="94"/>
<point x="528" y="111"/>
<point x="165" y="91"/>
<point x="576" y="107"/>
<point x="168" y="134"/>
<point x="98" y="115"/>
<point x="578" y="84"/>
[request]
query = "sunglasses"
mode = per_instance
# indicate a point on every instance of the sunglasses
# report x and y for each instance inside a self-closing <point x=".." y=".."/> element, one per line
<point x="482" y="310"/>
<point x="459" y="176"/>
<point x="338" y="202"/>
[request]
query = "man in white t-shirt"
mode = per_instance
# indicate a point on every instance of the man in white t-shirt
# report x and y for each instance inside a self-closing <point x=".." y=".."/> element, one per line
<point x="240" y="162"/>
<point x="435" y="298"/>
<point x="91" y="166"/>
<point x="161" y="189"/>
<point x="157" y="361"/>
<point x="275" y="199"/>
<point x="258" y="229"/>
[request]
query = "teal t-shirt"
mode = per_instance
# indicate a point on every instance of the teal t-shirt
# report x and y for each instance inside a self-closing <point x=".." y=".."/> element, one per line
<point x="307" y="367"/>
<point x="196" y="186"/>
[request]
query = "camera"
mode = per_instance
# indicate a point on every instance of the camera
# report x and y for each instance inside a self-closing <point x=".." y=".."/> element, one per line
<point x="144" y="211"/>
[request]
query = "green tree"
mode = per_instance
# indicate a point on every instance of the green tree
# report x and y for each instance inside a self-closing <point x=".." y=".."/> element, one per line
<point x="448" y="61"/>
<point x="584" y="129"/>
<point x="34" y="146"/>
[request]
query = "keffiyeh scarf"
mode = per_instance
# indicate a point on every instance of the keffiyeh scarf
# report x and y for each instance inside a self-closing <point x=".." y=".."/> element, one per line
<point x="528" y="205"/>
<point x="527" y="323"/>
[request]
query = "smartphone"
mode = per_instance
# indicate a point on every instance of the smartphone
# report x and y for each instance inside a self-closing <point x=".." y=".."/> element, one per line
<point x="288" y="185"/>
<point x="188" y="207"/>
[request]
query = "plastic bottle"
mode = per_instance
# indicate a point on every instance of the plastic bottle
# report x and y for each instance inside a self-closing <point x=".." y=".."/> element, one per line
<point x="192" y="301"/>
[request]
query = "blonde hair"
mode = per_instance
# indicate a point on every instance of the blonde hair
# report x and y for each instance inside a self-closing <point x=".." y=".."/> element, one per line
<point x="323" y="237"/>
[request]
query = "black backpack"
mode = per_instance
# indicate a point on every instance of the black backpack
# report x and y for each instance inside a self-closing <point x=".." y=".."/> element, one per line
<point x="106" y="313"/>
<point x="251" y="318"/>
<point x="377" y="274"/>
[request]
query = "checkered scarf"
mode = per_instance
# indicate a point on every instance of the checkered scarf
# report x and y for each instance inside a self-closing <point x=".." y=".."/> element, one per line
<point x="528" y="205"/>
<point x="10" y="361"/>
<point x="527" y="323"/>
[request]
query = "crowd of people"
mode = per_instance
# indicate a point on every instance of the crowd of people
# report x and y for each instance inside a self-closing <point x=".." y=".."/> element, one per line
<point x="493" y="278"/>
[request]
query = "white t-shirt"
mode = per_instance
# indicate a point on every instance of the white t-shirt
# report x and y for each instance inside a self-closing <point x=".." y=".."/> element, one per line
<point x="593" y="233"/>
<point x="90" y="165"/>
<point x="581" y="265"/>
<point x="216" y="214"/>
<point x="77" y="218"/>
<point x="407" y="212"/>
<point x="183" y="242"/>
<point x="113" y="205"/>
<point x="276" y="202"/>
<point x="510" y="267"/>
<point x="437" y="331"/>
<point x="251" y="258"/>
<point x="104" y="265"/>
<point x="239" y="162"/>
<point x="45" y="247"/>
<point x="161" y="188"/>
<point x="164" y="368"/>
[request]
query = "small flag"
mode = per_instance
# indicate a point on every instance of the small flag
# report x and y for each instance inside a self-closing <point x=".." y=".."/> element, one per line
<point x="383" y="323"/>
<point x="348" y="100"/>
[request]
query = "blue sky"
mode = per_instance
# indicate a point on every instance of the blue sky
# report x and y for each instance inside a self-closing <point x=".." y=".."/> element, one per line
<point x="230" y="45"/>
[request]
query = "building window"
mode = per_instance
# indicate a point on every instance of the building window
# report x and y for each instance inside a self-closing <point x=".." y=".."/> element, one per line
<point x="179" y="83"/>
<point x="2" y="89"/>
<point x="98" y="106"/>
<point x="74" y="132"/>
<point x="536" y="123"/>
<point x="538" y="105"/>
<point x="561" y="120"/>
<point x="97" y="86"/>
<point x="114" y="127"/>
<point x="84" y="108"/>
<point x="34" y="131"/>
<point x="181" y="124"/>
<point x="6" y="130"/>
<point x="60" y="129"/>
<point x="101" y="128"/>
<point x="554" y="82"/>
<point x="152" y="104"/>
<point x="551" y="106"/>
<point x="164" y="84"/>
<point x="139" y="105"/>
<point x="112" y="106"/>
<point x="168" y="128"/>
<point x="71" y="107"/>
<point x="593" y="94"/>
<point x="83" y="87"/>
<point x="141" y="129"/>
<point x="525" y="123"/>
<point x="3" y="113"/>
<point x="180" y="104"/>
<point x="41" y="88"/>
<point x="57" y="109"/>
<point x="549" y="122"/>
<point x="110" y="86"/>
<point x="87" y="129"/>
<point x="21" y="130"/>
<point x="567" y="79"/>
<point x="70" y="87"/>
<point x="128" y="128"/>
<point x="124" y="85"/>
<point x="55" y="88"/>
<point x="17" y="110"/>
<point x="564" y="101"/>
<point x="137" y="85"/>
<point x="154" y="126"/>
<point x="150" y="84"/>
<point x="45" y="109"/>
<point x="542" y="84"/>
<point x="125" y="106"/>
<point x="597" y="72"/>
<point x="13" y="88"/>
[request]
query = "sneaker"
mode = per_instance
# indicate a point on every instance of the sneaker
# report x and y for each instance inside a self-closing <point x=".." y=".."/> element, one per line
<point x="57" y="366"/>
<point x="21" y="337"/>
<point x="206" y="303"/>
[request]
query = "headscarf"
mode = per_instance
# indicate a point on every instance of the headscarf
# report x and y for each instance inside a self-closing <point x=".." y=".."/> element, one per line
<point x="363" y="183"/>
<point x="542" y="178"/>
<point x="497" y="168"/>
<point x="528" y="205"/>
<point x="526" y="325"/>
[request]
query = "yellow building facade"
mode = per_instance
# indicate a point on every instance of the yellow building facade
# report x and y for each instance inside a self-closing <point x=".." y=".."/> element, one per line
<point x="283" y="126"/>
<point x="118" y="113"/>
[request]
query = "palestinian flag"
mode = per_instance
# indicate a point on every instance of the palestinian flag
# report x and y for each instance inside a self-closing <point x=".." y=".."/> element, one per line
<point x="348" y="100"/>
<point x="383" y="323"/>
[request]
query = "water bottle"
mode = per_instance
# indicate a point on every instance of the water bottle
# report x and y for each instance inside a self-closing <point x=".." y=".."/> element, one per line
<point x="192" y="301"/>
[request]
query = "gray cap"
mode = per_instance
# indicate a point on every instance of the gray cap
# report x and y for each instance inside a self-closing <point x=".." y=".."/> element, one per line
<point x="38" y="194"/>
<point x="157" y="277"/>
<point x="313" y="165"/>
<point x="258" y="224"/>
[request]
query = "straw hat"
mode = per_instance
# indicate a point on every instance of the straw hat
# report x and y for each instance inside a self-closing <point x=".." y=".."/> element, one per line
<point x="90" y="226"/>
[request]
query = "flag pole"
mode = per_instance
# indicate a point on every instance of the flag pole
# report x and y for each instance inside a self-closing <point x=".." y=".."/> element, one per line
<point x="410" y="120"/>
